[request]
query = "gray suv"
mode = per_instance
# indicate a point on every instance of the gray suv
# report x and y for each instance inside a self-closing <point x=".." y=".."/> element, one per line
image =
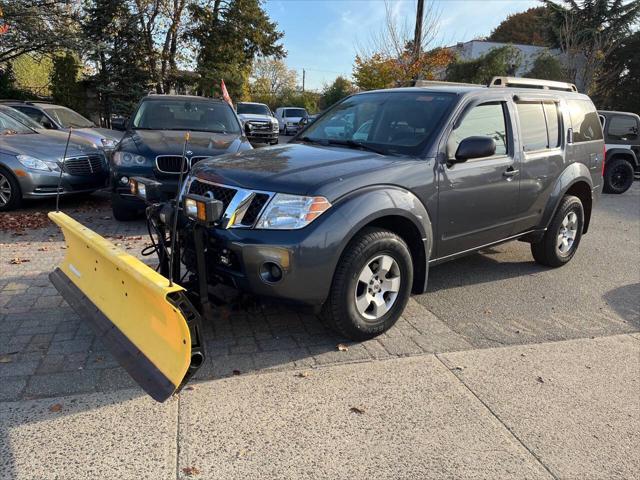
<point x="622" y="140"/>
<point x="349" y="216"/>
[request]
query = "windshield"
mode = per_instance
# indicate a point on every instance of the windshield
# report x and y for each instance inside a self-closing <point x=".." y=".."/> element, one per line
<point x="295" y="112"/>
<point x="10" y="126"/>
<point x="392" y="122"/>
<point x="68" y="118"/>
<point x="253" y="109"/>
<point x="21" y="117"/>
<point x="195" y="115"/>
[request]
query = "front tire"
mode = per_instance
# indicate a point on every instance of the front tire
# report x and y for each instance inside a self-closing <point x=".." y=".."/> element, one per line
<point x="618" y="176"/>
<point x="122" y="211"/>
<point x="10" y="193"/>
<point x="561" y="240"/>
<point x="371" y="285"/>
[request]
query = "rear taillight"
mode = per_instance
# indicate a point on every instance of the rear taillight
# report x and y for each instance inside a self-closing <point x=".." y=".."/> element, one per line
<point x="604" y="157"/>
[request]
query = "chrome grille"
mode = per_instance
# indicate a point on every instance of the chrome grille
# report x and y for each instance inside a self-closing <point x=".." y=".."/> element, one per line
<point x="84" y="166"/>
<point x="254" y="209"/>
<point x="261" y="126"/>
<point x="224" y="194"/>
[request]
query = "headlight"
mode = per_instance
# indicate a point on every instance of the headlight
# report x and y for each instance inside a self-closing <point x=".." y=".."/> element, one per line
<point x="291" y="124"/>
<point x="126" y="159"/>
<point x="109" y="143"/>
<point x="36" y="164"/>
<point x="290" y="212"/>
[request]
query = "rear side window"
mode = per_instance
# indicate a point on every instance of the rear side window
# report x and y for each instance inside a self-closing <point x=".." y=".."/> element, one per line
<point x="623" y="128"/>
<point x="540" y="125"/>
<point x="483" y="120"/>
<point x="533" y="126"/>
<point x="584" y="121"/>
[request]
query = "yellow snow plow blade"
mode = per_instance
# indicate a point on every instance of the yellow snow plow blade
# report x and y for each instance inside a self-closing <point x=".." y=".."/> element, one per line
<point x="147" y="325"/>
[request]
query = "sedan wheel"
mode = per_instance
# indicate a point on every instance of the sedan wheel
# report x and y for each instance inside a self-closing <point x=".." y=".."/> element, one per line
<point x="5" y="190"/>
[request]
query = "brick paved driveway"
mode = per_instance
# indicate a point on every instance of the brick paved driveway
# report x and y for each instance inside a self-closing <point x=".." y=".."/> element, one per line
<point x="46" y="350"/>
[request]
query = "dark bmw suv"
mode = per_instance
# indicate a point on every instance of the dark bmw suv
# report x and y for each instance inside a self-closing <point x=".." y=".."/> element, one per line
<point x="153" y="143"/>
<point x="349" y="216"/>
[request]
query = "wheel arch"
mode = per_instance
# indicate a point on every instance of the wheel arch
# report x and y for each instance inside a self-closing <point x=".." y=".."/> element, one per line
<point x="625" y="153"/>
<point x="401" y="212"/>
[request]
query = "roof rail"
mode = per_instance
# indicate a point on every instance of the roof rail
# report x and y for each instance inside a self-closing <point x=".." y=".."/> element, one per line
<point x="518" y="82"/>
<point x="442" y="83"/>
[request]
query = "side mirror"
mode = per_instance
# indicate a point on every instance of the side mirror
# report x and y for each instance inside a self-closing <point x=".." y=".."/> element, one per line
<point x="474" y="147"/>
<point x="119" y="123"/>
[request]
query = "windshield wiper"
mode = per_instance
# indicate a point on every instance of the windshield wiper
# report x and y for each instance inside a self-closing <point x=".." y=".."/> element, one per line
<point x="318" y="141"/>
<point x="354" y="144"/>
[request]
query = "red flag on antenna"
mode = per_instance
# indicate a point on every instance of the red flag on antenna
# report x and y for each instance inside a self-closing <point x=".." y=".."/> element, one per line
<point x="225" y="94"/>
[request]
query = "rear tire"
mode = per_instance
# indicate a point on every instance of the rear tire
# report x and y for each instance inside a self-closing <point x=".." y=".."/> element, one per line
<point x="371" y="285"/>
<point x="10" y="192"/>
<point x="618" y="176"/>
<point x="561" y="240"/>
<point x="122" y="211"/>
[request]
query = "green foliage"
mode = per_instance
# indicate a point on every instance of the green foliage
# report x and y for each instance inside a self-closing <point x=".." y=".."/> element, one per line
<point x="65" y="88"/>
<point x="229" y="36"/>
<point x="340" y="88"/>
<point x="7" y="82"/>
<point x="548" y="67"/>
<point x="33" y="72"/>
<point x="530" y="27"/>
<point x="496" y="62"/>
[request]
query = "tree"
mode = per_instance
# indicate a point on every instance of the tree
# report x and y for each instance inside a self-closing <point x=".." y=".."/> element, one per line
<point x="530" y="27"/>
<point x="502" y="61"/>
<point x="33" y="74"/>
<point x="37" y="26"/>
<point x="589" y="31"/>
<point x="548" y="67"/>
<point x="229" y="36"/>
<point x="270" y="78"/>
<point x="340" y="88"/>
<point x="64" y="81"/>
<point x="380" y="71"/>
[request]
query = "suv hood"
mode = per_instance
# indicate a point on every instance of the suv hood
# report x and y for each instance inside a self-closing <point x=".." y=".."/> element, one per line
<point x="151" y="143"/>
<point x="304" y="169"/>
<point x="96" y="134"/>
<point x="248" y="117"/>
<point x="45" y="147"/>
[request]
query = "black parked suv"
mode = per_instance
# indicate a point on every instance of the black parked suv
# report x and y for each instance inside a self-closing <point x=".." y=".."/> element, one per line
<point x="622" y="139"/>
<point x="153" y="143"/>
<point x="350" y="214"/>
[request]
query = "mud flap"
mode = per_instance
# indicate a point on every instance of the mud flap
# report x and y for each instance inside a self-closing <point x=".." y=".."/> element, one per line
<point x="150" y="328"/>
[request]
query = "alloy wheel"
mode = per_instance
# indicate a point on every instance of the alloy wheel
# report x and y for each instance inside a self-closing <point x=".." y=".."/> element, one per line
<point x="567" y="233"/>
<point x="5" y="190"/>
<point x="377" y="287"/>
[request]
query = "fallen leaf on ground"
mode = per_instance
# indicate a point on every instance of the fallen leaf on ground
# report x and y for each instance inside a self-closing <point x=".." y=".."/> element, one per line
<point x="18" y="261"/>
<point x="540" y="380"/>
<point x="342" y="347"/>
<point x="56" y="407"/>
<point x="5" y="359"/>
<point x="302" y="374"/>
<point x="189" y="388"/>
<point x="190" y="471"/>
<point x="358" y="410"/>
<point x="458" y="368"/>
<point x="19" y="222"/>
<point x="236" y="372"/>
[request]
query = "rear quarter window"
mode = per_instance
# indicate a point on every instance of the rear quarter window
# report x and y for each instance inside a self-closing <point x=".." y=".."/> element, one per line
<point x="584" y="121"/>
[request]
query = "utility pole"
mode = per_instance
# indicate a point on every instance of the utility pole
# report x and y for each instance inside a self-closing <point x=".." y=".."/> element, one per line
<point x="303" y="75"/>
<point x="417" y="36"/>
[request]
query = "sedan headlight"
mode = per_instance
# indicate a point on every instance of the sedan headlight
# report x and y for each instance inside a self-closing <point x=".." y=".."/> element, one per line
<point x="290" y="212"/>
<point x="127" y="159"/>
<point x="36" y="164"/>
<point x="109" y="143"/>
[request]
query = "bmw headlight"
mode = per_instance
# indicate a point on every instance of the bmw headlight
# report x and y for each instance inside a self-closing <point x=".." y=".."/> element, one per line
<point x="109" y="143"/>
<point x="127" y="159"/>
<point x="290" y="212"/>
<point x="36" y="164"/>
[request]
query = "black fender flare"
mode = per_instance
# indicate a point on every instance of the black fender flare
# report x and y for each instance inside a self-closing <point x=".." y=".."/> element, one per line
<point x="366" y="206"/>
<point x="623" y="152"/>
<point x="572" y="174"/>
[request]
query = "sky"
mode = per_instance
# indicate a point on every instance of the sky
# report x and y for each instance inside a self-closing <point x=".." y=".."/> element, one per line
<point x="323" y="36"/>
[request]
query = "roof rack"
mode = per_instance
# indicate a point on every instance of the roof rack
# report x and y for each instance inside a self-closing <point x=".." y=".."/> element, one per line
<point x="442" y="83"/>
<point x="517" y="82"/>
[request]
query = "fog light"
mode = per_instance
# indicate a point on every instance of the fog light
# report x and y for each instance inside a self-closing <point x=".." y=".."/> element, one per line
<point x="124" y="180"/>
<point x="271" y="272"/>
